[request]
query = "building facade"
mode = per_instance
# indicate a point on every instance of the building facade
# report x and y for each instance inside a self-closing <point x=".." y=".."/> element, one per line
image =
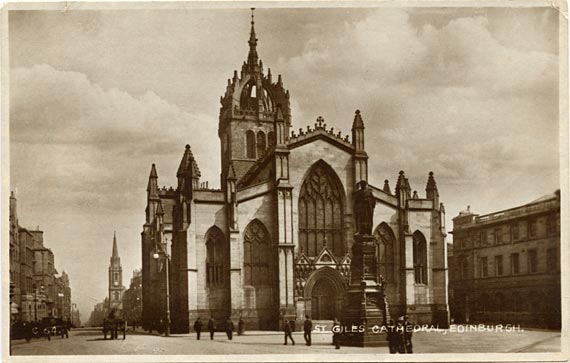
<point x="116" y="287"/>
<point x="99" y="313"/>
<point x="63" y="297"/>
<point x="75" y="316"/>
<point x="132" y="299"/>
<point x="36" y="291"/>
<point x="275" y="241"/>
<point x="506" y="265"/>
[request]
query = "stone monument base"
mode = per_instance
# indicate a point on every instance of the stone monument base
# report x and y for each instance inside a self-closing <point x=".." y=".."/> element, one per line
<point x="364" y="316"/>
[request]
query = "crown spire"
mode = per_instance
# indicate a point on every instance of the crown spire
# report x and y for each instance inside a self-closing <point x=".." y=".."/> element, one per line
<point x="252" y="58"/>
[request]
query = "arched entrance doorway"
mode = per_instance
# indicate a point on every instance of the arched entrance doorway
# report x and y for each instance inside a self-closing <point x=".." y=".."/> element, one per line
<point x="322" y="302"/>
<point x="324" y="294"/>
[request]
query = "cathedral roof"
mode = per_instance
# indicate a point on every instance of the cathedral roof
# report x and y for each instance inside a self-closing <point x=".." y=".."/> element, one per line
<point x="256" y="168"/>
<point x="320" y="131"/>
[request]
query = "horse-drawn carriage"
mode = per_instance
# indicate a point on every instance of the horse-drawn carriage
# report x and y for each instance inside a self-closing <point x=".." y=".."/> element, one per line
<point x="113" y="326"/>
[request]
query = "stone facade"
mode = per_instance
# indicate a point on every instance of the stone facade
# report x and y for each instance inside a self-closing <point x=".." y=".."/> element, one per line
<point x="506" y="265"/>
<point x="274" y="242"/>
<point x="132" y="299"/>
<point x="36" y="291"/>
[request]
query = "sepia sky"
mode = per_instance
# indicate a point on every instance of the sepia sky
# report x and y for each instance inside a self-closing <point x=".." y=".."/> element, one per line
<point x="96" y="97"/>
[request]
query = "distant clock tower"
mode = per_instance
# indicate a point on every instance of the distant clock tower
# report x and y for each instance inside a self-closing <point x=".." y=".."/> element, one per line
<point x="116" y="287"/>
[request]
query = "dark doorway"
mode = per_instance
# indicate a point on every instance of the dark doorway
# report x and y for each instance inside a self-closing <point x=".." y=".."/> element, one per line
<point x="323" y="303"/>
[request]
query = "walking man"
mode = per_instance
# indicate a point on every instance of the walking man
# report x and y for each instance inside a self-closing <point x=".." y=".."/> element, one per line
<point x="307" y="328"/>
<point x="211" y="327"/>
<point x="230" y="328"/>
<point x="408" y="331"/>
<point x="393" y="337"/>
<point x="287" y="329"/>
<point x="336" y="333"/>
<point x="241" y="326"/>
<point x="198" y="328"/>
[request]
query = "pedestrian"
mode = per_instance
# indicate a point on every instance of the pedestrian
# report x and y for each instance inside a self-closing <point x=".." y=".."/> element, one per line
<point x="241" y="326"/>
<point x="400" y="331"/>
<point x="393" y="337"/>
<point x="287" y="329"/>
<point x="64" y="332"/>
<point x="211" y="327"/>
<point x="198" y="328"/>
<point x="307" y="328"/>
<point x="408" y="331"/>
<point x="336" y="333"/>
<point x="230" y="328"/>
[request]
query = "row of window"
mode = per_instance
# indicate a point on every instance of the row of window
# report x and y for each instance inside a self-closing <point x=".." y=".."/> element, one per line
<point x="257" y="256"/>
<point x="256" y="144"/>
<point x="532" y="301"/>
<point x="514" y="264"/>
<point x="518" y="231"/>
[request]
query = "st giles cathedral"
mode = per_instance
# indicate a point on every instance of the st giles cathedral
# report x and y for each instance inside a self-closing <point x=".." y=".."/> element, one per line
<point x="274" y="242"/>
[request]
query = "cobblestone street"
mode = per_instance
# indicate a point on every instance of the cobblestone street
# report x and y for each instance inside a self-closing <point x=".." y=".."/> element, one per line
<point x="90" y="341"/>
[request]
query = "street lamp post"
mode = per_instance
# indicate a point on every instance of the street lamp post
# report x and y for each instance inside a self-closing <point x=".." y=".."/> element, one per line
<point x="156" y="256"/>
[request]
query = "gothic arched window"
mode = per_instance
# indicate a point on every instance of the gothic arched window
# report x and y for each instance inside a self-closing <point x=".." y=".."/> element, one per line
<point x="420" y="258"/>
<point x="250" y="144"/>
<point x="270" y="138"/>
<point x="261" y="143"/>
<point x="257" y="255"/>
<point x="321" y="212"/>
<point x="385" y="242"/>
<point x="215" y="257"/>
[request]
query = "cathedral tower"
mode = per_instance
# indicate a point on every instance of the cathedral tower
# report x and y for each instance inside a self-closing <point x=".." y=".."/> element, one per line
<point x="115" y="279"/>
<point x="251" y="108"/>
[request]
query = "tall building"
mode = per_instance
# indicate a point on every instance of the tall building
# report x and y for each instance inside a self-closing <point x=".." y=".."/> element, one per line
<point x="275" y="241"/>
<point x="75" y="316"/>
<point x="506" y="265"/>
<point x="36" y="291"/>
<point x="63" y="296"/>
<point x="132" y="299"/>
<point x="15" y="279"/>
<point x="116" y="287"/>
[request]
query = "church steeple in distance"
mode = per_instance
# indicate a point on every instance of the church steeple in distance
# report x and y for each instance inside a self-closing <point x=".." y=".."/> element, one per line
<point x="115" y="278"/>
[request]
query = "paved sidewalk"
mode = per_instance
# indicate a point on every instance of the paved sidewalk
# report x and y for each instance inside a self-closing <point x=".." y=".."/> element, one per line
<point x="88" y="342"/>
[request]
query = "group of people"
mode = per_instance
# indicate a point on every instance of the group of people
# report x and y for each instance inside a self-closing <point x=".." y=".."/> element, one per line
<point x="399" y="335"/>
<point x="289" y="328"/>
<point x="212" y="325"/>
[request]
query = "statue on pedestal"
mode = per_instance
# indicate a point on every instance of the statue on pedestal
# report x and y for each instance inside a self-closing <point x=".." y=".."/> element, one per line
<point x="364" y="203"/>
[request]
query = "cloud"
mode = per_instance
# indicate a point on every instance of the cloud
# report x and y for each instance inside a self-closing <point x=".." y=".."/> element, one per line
<point x="451" y="98"/>
<point x="102" y="126"/>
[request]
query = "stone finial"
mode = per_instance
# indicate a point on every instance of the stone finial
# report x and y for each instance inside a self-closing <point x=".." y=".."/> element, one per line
<point x="387" y="187"/>
<point x="415" y="196"/>
<point x="401" y="184"/>
<point x="357" y="122"/>
<point x="431" y="189"/>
